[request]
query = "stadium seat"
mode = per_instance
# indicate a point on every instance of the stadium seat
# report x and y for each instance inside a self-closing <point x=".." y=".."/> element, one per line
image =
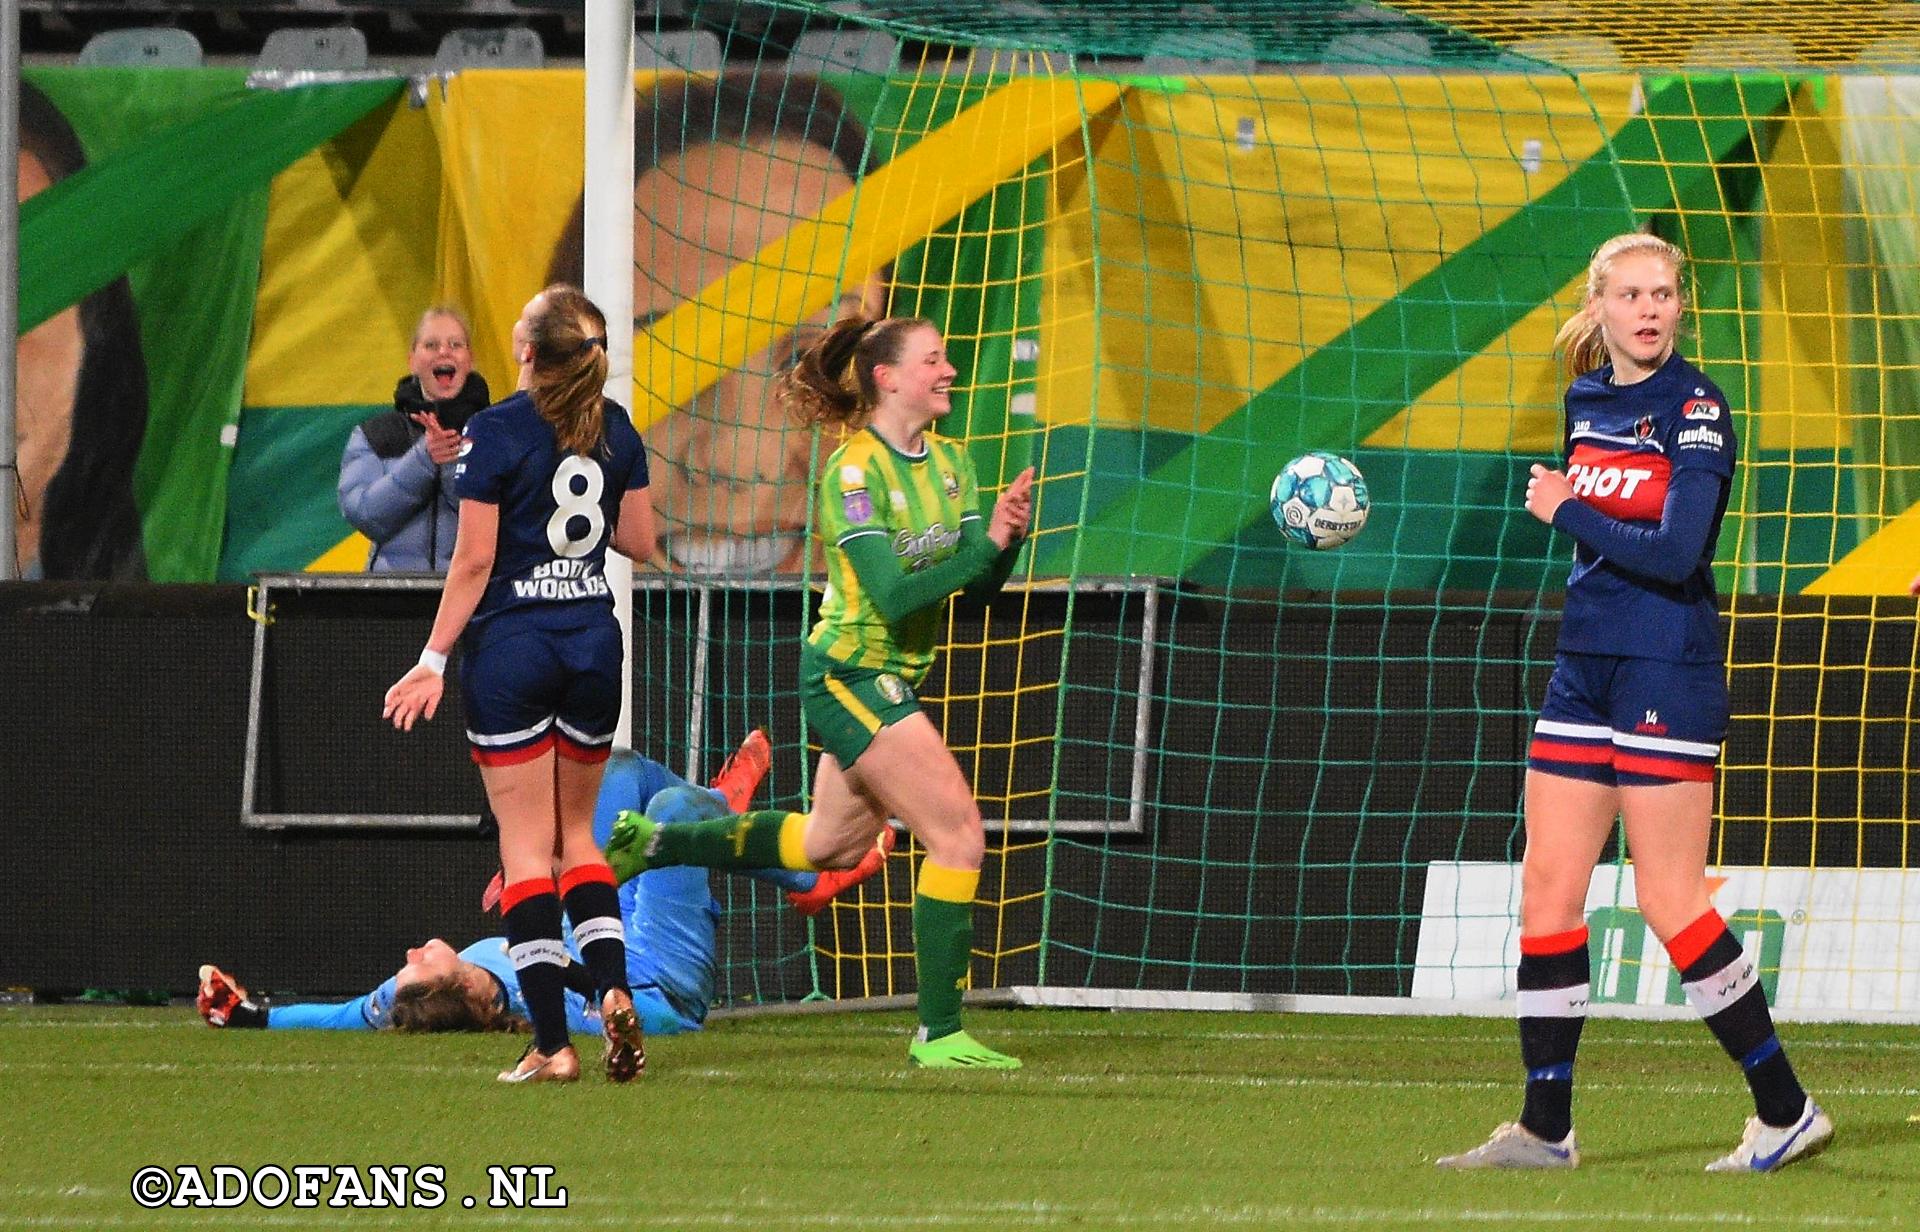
<point x="1017" y="19"/>
<point x="1201" y="52"/>
<point x="843" y="51"/>
<point x="502" y="47"/>
<point x="696" y="51"/>
<point x="143" y="47"/>
<point x="324" y="48"/>
<point x="1006" y="62"/>
<point x="750" y="18"/>
<point x="1378" y="52"/>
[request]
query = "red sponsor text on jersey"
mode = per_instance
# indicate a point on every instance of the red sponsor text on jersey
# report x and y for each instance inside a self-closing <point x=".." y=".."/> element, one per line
<point x="1622" y="483"/>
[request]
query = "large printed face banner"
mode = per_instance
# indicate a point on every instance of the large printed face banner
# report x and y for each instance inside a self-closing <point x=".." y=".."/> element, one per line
<point x="126" y="400"/>
<point x="437" y="207"/>
<point x="724" y="168"/>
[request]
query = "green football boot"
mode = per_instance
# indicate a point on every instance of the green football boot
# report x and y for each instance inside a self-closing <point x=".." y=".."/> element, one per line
<point x="627" y="846"/>
<point x="956" y="1051"/>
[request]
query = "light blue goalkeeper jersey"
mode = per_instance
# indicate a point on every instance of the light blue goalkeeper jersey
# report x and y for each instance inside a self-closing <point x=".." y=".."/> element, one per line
<point x="375" y="1009"/>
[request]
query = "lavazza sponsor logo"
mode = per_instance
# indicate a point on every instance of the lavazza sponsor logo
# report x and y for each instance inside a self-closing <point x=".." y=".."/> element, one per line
<point x="1703" y="436"/>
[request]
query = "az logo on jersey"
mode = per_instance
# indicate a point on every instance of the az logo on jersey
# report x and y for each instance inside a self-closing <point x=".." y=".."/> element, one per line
<point x="1700" y="408"/>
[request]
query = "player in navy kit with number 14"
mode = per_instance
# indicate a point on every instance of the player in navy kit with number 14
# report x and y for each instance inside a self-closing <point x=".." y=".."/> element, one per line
<point x="547" y="480"/>
<point x="1635" y="712"/>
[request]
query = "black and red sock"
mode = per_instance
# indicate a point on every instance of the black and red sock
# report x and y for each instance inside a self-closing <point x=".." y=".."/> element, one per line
<point x="1553" y="984"/>
<point x="532" y="912"/>
<point x="593" y="904"/>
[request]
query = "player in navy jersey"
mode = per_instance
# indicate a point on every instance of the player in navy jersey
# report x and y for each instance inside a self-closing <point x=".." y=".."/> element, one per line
<point x="547" y="480"/>
<point x="1635" y="712"/>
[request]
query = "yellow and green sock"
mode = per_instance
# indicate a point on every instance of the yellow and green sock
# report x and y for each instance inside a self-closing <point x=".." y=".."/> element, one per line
<point x="769" y="838"/>
<point x="943" y="943"/>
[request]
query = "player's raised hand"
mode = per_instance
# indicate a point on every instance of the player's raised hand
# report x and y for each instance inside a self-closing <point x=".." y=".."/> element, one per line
<point x="413" y="696"/>
<point x="1546" y="492"/>
<point x="1013" y="511"/>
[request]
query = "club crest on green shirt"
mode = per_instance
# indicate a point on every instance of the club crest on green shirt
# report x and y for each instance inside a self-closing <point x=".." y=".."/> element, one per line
<point x="892" y="687"/>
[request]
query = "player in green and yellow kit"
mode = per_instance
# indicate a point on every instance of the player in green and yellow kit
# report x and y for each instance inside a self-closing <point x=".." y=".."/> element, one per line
<point x="899" y="512"/>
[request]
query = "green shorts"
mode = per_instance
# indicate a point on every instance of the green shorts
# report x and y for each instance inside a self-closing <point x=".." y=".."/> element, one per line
<point x="846" y="706"/>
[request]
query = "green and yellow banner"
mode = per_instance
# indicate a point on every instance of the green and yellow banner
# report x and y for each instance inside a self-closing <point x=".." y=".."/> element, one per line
<point x="1156" y="290"/>
<point x="145" y="202"/>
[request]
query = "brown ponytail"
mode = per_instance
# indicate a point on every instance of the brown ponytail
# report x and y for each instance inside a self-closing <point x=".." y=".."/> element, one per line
<point x="1581" y="345"/>
<point x="833" y="382"/>
<point x="569" y="341"/>
<point x="444" y="1004"/>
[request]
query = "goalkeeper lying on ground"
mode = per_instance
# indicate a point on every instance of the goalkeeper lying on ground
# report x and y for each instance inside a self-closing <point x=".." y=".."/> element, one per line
<point x="670" y="916"/>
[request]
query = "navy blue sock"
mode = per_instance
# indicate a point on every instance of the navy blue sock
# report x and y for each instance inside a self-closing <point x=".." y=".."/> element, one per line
<point x="1553" y="985"/>
<point x="593" y="904"/>
<point x="540" y="958"/>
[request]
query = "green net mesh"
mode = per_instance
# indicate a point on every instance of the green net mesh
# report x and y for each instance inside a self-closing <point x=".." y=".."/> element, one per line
<point x="1172" y="247"/>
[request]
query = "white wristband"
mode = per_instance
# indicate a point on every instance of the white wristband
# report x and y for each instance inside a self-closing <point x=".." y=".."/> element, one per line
<point x="433" y="661"/>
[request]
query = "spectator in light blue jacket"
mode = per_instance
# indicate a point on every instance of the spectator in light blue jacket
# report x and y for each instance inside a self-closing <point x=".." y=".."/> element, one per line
<point x="396" y="475"/>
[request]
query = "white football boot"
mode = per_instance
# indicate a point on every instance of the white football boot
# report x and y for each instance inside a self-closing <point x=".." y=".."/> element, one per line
<point x="1768" y="1148"/>
<point x="1515" y="1146"/>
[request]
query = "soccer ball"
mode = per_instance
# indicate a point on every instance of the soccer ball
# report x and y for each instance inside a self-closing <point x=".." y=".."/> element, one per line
<point x="1319" y="499"/>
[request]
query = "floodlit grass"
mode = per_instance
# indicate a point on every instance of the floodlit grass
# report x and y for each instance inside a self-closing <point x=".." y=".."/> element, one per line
<point x="1122" y="1120"/>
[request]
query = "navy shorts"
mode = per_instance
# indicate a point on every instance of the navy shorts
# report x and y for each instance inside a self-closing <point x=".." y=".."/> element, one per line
<point x="1631" y="722"/>
<point x="535" y="689"/>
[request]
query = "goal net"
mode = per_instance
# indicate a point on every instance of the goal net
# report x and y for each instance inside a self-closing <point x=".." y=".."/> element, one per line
<point x="1172" y="247"/>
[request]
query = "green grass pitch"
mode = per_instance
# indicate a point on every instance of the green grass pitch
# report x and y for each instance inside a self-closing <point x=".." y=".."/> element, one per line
<point x="1120" y="1120"/>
